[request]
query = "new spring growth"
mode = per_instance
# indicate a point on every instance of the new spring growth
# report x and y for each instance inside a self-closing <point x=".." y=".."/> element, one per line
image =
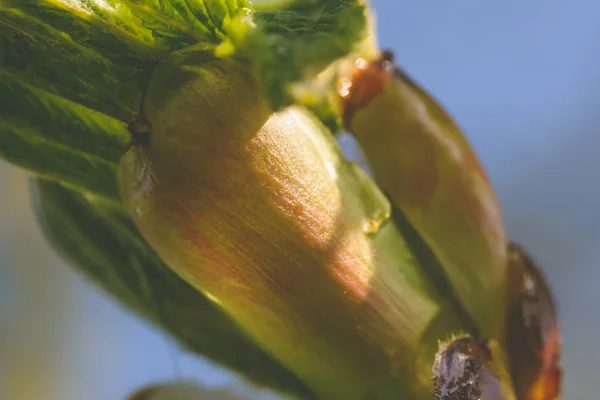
<point x="261" y="212"/>
<point x="421" y="160"/>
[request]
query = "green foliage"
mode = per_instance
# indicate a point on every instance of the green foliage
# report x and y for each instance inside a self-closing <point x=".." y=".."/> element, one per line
<point x="304" y="38"/>
<point x="58" y="138"/>
<point x="73" y="72"/>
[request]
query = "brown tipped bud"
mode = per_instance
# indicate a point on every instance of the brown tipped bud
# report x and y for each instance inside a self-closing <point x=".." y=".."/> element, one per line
<point x="470" y="369"/>
<point x="534" y="341"/>
<point x="424" y="164"/>
<point x="263" y="214"/>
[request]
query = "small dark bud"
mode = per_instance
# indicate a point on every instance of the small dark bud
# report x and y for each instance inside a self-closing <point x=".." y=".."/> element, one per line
<point x="466" y="369"/>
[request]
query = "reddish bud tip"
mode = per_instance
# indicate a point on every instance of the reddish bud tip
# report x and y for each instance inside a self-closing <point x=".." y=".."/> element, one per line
<point x="366" y="81"/>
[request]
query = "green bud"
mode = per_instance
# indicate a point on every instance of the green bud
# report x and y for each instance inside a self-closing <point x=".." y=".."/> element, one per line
<point x="424" y="164"/>
<point x="262" y="213"/>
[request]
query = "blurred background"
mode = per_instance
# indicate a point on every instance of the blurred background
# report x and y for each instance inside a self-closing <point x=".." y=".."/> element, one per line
<point x="521" y="77"/>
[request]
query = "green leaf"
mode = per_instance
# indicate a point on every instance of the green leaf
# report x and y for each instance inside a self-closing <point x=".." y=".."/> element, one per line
<point x="77" y="58"/>
<point x="100" y="241"/>
<point x="57" y="138"/>
<point x="21" y="144"/>
<point x="73" y="72"/>
<point x="101" y="53"/>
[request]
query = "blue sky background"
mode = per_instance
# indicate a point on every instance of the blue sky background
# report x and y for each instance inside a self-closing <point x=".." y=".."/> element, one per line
<point x="521" y="77"/>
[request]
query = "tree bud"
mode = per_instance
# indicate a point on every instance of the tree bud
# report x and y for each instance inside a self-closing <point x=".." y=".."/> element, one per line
<point x="262" y="213"/>
<point x="424" y="164"/>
